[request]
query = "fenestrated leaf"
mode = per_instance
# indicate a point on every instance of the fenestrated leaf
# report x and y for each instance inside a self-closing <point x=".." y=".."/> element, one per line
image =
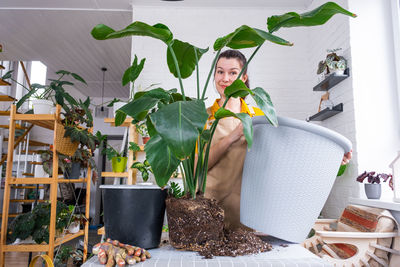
<point x="179" y="124"/>
<point x="137" y="106"/>
<point x="157" y="31"/>
<point x="264" y="102"/>
<point x="78" y="78"/>
<point x="246" y="37"/>
<point x="186" y="57"/>
<point x="244" y="118"/>
<point x="163" y="162"/>
<point x="133" y="72"/>
<point x="237" y="88"/>
<point x="315" y="17"/>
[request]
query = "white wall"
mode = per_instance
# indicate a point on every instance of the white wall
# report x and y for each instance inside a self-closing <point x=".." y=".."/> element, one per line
<point x="335" y="34"/>
<point x="278" y="69"/>
<point x="374" y="85"/>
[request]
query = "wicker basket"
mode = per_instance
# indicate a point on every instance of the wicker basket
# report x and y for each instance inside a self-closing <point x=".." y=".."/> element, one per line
<point x="64" y="144"/>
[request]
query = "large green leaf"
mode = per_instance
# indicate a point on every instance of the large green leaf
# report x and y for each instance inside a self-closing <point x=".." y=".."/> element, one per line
<point x="163" y="162"/>
<point x="237" y="89"/>
<point x="157" y="31"/>
<point x="137" y="106"/>
<point x="132" y="73"/>
<point x="179" y="124"/>
<point x="264" y="102"/>
<point x="186" y="57"/>
<point x="244" y="118"/>
<point x="315" y="17"/>
<point x="246" y="37"/>
<point x="78" y="78"/>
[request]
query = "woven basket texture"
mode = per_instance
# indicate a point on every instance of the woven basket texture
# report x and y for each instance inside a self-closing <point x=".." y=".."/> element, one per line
<point x="64" y="144"/>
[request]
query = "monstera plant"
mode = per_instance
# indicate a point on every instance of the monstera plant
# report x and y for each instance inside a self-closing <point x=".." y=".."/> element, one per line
<point x="175" y="121"/>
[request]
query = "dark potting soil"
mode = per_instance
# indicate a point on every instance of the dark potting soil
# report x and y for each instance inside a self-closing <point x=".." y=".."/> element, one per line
<point x="235" y="243"/>
<point x="193" y="223"/>
<point x="198" y="225"/>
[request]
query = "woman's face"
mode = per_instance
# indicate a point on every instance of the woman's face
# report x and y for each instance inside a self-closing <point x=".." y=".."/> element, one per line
<point x="226" y="71"/>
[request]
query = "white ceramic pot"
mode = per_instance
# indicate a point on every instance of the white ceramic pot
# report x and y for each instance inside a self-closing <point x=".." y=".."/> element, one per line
<point x="74" y="227"/>
<point x="287" y="176"/>
<point x="42" y="106"/>
<point x="117" y="106"/>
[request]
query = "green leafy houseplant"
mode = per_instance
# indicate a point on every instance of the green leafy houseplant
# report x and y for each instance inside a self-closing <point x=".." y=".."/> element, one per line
<point x="332" y="63"/>
<point x="36" y="223"/>
<point x="176" y="122"/>
<point x="54" y="91"/>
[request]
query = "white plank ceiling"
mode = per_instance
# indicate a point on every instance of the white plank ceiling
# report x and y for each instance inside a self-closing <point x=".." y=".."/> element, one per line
<point x="57" y="32"/>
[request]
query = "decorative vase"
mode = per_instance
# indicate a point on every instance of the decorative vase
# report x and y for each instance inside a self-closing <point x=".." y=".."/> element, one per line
<point x="134" y="214"/>
<point x="373" y="191"/>
<point x="287" y="176"/>
<point x="119" y="164"/>
<point x="42" y="106"/>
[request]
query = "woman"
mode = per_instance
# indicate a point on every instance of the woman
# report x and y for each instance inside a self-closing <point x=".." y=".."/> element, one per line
<point x="228" y="147"/>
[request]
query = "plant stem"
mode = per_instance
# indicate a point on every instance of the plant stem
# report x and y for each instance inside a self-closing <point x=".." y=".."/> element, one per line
<point x="209" y="74"/>
<point x="248" y="61"/>
<point x="177" y="70"/>
<point x="197" y="73"/>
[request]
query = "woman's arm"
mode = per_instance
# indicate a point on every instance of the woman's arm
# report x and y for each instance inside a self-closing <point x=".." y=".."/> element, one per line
<point x="219" y="149"/>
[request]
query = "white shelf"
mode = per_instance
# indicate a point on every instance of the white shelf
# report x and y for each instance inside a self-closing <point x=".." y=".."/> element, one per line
<point x="377" y="203"/>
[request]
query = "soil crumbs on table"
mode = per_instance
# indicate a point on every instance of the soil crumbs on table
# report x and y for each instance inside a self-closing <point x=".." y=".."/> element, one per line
<point x="235" y="243"/>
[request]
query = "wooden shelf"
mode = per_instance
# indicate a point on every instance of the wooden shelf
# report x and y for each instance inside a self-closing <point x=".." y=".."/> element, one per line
<point x="114" y="174"/>
<point x="4" y="83"/>
<point x="27" y="200"/>
<point x="331" y="80"/>
<point x="67" y="237"/>
<point x="127" y="122"/>
<point x="26" y="187"/>
<point x="326" y="113"/>
<point x="26" y="248"/>
<point x="42" y="120"/>
<point x="6" y="98"/>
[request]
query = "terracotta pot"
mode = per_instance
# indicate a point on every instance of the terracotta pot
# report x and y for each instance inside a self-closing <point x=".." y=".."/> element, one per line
<point x="145" y="139"/>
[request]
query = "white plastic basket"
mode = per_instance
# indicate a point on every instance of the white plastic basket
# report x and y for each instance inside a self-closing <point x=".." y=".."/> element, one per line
<point x="287" y="176"/>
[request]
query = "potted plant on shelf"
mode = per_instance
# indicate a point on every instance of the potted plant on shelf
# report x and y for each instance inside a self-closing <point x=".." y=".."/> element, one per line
<point x="76" y="220"/>
<point x="332" y="64"/>
<point x="175" y="122"/>
<point x="141" y="128"/>
<point x="36" y="223"/>
<point x="44" y="96"/>
<point x="373" y="183"/>
<point x="118" y="160"/>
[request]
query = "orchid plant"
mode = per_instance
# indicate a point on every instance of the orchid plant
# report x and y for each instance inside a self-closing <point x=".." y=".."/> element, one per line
<point x="175" y="122"/>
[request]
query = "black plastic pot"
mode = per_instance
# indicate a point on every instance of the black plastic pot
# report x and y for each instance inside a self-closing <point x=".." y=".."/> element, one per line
<point x="134" y="214"/>
<point x="75" y="171"/>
